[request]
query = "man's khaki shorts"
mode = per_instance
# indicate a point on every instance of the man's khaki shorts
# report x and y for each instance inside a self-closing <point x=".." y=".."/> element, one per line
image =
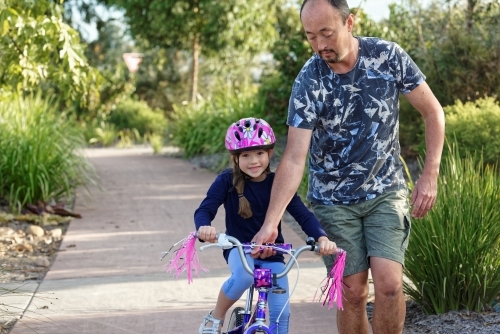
<point x="379" y="227"/>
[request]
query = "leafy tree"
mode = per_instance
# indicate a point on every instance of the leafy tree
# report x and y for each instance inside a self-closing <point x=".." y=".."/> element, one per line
<point x="163" y="77"/>
<point x="205" y="27"/>
<point x="455" y="43"/>
<point x="290" y="51"/>
<point x="106" y="54"/>
<point x="40" y="51"/>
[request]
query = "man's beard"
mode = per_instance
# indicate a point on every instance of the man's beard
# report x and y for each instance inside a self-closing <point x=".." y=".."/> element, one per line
<point x="330" y="60"/>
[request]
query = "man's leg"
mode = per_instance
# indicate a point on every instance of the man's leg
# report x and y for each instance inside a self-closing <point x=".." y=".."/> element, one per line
<point x="353" y="319"/>
<point x="390" y="307"/>
<point x="387" y="230"/>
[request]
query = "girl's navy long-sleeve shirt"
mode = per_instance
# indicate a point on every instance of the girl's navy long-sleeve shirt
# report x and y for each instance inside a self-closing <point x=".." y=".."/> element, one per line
<point x="258" y="194"/>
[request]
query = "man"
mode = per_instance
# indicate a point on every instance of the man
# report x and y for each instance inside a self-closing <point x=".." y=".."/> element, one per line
<point x="344" y="110"/>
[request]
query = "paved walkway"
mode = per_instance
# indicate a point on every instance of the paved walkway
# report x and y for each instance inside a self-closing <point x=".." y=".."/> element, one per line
<point x="107" y="278"/>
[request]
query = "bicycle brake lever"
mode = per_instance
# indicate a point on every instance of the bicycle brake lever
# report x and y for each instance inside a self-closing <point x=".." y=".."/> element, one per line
<point x="224" y="242"/>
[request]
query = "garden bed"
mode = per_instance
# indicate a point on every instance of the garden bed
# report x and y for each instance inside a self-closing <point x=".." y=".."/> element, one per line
<point x="28" y="247"/>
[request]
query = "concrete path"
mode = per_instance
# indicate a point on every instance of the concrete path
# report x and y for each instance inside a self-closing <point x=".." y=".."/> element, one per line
<point x="107" y="278"/>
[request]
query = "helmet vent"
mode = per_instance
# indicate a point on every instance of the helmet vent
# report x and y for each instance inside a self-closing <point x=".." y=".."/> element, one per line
<point x="237" y="135"/>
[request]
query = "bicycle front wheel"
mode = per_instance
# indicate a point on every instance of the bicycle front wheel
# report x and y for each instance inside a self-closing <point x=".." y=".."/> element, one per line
<point x="258" y="329"/>
<point x="236" y="320"/>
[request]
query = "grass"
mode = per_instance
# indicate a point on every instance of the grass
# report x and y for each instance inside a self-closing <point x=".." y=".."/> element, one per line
<point x="156" y="142"/>
<point x="40" y="157"/>
<point x="453" y="256"/>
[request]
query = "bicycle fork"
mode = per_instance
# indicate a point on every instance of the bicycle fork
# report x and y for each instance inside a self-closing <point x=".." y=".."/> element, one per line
<point x="262" y="282"/>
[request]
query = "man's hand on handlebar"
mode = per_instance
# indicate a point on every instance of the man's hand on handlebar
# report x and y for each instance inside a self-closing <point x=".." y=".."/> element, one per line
<point x="266" y="234"/>
<point x="207" y="233"/>
<point x="326" y="247"/>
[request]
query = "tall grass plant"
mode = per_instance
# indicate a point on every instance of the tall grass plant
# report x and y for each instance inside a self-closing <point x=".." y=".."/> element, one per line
<point x="105" y="134"/>
<point x="453" y="258"/>
<point x="40" y="153"/>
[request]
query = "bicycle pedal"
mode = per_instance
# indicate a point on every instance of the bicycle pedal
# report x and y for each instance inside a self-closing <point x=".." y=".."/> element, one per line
<point x="279" y="291"/>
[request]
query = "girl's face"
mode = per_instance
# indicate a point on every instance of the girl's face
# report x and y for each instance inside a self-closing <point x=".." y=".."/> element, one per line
<point x="254" y="163"/>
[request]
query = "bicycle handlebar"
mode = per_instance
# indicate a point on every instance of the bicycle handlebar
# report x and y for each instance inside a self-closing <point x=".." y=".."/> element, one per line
<point x="227" y="242"/>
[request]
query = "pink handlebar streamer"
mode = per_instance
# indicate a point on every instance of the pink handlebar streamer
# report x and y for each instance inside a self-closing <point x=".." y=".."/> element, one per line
<point x="332" y="290"/>
<point x="186" y="259"/>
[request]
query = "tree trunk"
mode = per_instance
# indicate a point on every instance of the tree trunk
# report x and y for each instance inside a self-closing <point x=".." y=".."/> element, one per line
<point x="469" y="19"/>
<point x="196" y="53"/>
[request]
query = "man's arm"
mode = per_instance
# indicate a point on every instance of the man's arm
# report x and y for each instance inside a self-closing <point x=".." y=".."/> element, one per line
<point x="286" y="182"/>
<point x="425" y="192"/>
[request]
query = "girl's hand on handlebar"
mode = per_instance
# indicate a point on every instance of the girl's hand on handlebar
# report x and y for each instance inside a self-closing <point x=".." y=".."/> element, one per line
<point x="326" y="247"/>
<point x="207" y="233"/>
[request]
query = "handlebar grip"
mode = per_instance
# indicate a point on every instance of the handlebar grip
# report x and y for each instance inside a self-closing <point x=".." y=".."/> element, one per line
<point x="279" y="248"/>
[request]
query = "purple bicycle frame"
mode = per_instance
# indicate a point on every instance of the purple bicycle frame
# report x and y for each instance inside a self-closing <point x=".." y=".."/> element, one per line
<point x="263" y="281"/>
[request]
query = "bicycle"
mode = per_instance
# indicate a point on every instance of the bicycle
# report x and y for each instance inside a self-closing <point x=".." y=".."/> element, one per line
<point x="245" y="320"/>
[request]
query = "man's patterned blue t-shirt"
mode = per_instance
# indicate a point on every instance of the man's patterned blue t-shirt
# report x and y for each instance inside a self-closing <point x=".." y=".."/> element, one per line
<point x="354" y="152"/>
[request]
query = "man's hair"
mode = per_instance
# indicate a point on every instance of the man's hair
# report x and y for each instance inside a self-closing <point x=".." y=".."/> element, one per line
<point x="340" y="5"/>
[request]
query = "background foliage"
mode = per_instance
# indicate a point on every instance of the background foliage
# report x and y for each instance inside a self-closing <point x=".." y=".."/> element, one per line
<point x="199" y="130"/>
<point x="475" y="127"/>
<point x="205" y="27"/>
<point x="452" y="259"/>
<point x="41" y="158"/>
<point x="39" y="51"/>
<point x="132" y="114"/>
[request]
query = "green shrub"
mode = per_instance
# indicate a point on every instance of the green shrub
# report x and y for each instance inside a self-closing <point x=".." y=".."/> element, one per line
<point x="40" y="157"/>
<point x="275" y="91"/>
<point x="476" y="127"/>
<point x="201" y="129"/>
<point x="156" y="142"/>
<point x="452" y="259"/>
<point x="105" y="134"/>
<point x="131" y="114"/>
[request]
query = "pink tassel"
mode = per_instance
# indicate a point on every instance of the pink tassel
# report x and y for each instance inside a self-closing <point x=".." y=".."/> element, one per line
<point x="333" y="288"/>
<point x="186" y="259"/>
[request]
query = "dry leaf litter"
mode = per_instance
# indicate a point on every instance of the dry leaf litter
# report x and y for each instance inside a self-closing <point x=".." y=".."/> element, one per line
<point x="28" y="246"/>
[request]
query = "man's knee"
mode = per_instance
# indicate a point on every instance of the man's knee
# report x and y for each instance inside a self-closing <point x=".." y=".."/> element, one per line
<point x="387" y="277"/>
<point x="390" y="289"/>
<point x="356" y="295"/>
<point x="390" y="286"/>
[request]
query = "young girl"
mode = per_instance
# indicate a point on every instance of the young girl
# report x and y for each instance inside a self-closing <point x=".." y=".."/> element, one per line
<point x="245" y="191"/>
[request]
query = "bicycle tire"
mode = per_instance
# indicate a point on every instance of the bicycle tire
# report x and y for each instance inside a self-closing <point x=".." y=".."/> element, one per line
<point x="236" y="319"/>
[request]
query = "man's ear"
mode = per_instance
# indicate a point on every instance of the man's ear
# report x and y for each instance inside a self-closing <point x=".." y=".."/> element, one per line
<point x="350" y="22"/>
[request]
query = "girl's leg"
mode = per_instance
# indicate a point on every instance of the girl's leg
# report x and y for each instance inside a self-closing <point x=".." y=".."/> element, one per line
<point x="234" y="287"/>
<point x="276" y="301"/>
<point x="222" y="306"/>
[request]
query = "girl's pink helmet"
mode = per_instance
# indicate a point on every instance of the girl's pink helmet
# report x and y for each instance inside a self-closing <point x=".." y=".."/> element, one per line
<point x="249" y="134"/>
